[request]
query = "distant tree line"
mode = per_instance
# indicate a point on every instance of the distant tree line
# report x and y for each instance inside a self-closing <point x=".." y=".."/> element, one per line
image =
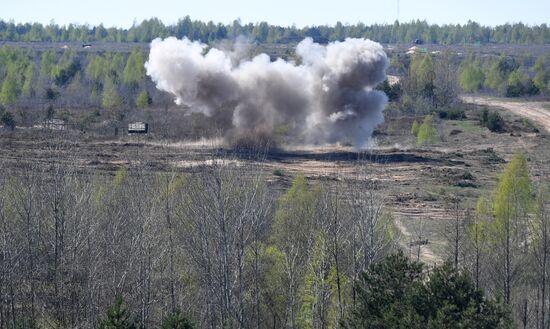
<point x="209" y="32"/>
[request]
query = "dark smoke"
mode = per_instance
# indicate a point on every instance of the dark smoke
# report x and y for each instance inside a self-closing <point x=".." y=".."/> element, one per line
<point x="329" y="97"/>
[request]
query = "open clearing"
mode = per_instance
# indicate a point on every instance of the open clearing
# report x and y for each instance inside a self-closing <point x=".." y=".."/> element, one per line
<point x="537" y="111"/>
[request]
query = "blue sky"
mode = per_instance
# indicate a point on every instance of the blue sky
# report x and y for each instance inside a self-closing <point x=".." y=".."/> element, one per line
<point x="122" y="13"/>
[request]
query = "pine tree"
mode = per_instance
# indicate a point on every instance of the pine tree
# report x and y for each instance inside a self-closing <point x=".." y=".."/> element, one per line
<point x="118" y="317"/>
<point x="177" y="321"/>
<point x="397" y="293"/>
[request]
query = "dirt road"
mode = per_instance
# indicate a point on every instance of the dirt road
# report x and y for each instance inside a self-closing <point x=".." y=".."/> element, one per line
<point x="538" y="112"/>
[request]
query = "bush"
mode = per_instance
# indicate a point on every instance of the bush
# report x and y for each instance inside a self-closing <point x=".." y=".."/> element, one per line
<point x="7" y="120"/>
<point x="278" y="172"/>
<point x="452" y="114"/>
<point x="495" y="122"/>
<point x="51" y="94"/>
<point x="492" y="120"/>
<point x="392" y="91"/>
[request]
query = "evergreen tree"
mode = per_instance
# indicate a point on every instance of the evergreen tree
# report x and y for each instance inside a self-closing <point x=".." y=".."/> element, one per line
<point x="118" y="317"/>
<point x="396" y="293"/>
<point x="177" y="321"/>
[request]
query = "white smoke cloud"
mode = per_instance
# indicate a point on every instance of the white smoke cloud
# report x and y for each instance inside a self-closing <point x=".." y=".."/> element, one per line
<point x="329" y="97"/>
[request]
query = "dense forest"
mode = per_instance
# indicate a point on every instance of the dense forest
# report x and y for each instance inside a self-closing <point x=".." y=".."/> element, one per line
<point x="399" y="32"/>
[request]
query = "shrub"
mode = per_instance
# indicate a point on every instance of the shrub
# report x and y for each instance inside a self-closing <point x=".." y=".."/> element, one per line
<point x="495" y="122"/>
<point x="7" y="120"/>
<point x="484" y="117"/>
<point x="452" y="114"/>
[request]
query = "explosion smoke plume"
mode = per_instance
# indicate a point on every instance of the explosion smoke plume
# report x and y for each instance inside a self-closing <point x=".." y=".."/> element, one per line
<point x="328" y="97"/>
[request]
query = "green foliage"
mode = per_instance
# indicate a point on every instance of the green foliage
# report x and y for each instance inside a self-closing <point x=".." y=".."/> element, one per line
<point x="516" y="84"/>
<point x="143" y="100"/>
<point x="494" y="78"/>
<point x="398" y="32"/>
<point x="477" y="230"/>
<point x="471" y="77"/>
<point x="414" y="128"/>
<point x="134" y="71"/>
<point x="295" y="212"/>
<point x="28" y="80"/>
<point x="47" y="63"/>
<point x="392" y="91"/>
<point x="542" y="76"/>
<point x="495" y="123"/>
<point x="66" y="69"/>
<point x="427" y="133"/>
<point x="97" y="68"/>
<point x="422" y="77"/>
<point x="176" y="321"/>
<point x="513" y="194"/>
<point x="10" y="89"/>
<point x="118" y="317"/>
<point x="492" y="120"/>
<point x="111" y="97"/>
<point x="396" y="293"/>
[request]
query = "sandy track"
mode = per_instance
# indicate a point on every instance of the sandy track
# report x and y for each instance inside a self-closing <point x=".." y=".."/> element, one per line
<point x="535" y="111"/>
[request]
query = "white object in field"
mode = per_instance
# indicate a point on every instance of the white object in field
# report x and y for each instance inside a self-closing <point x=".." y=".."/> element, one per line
<point x="138" y="128"/>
